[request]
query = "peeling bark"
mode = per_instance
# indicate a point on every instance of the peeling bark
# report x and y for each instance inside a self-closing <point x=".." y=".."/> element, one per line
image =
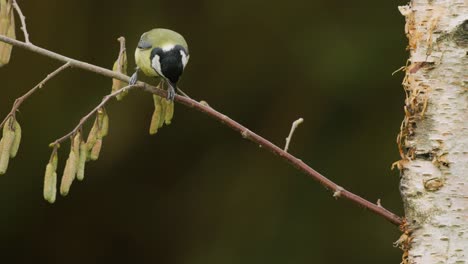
<point x="433" y="140"/>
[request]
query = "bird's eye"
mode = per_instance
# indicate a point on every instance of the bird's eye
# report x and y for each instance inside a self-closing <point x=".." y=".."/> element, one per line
<point x="144" y="44"/>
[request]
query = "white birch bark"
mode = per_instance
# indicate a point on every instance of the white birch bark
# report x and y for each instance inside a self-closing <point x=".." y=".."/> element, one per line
<point x="434" y="134"/>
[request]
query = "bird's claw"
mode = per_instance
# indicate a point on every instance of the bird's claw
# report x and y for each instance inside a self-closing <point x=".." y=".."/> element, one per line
<point x="170" y="93"/>
<point x="133" y="79"/>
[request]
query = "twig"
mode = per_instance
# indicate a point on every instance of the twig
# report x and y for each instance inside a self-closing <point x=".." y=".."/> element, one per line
<point x="338" y="191"/>
<point x="295" y="162"/>
<point x="295" y="124"/>
<point x="182" y="92"/>
<point x="25" y="96"/>
<point x="86" y="117"/>
<point x="23" y="21"/>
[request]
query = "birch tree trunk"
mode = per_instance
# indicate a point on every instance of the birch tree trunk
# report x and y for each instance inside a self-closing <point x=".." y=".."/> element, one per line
<point x="434" y="134"/>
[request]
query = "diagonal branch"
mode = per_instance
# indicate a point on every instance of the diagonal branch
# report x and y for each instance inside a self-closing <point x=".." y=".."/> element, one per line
<point x="25" y="96"/>
<point x="295" y="162"/>
<point x="245" y="132"/>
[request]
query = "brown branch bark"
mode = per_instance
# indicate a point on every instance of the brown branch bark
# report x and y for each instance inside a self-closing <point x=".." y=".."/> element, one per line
<point x="245" y="132"/>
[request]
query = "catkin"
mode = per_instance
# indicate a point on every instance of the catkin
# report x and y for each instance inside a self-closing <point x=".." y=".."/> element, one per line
<point x="104" y="126"/>
<point x="76" y="146"/>
<point x="169" y="112"/>
<point x="1" y="148"/>
<point x="17" y="141"/>
<point x="73" y="158"/>
<point x="154" y="122"/>
<point x="155" y="119"/>
<point x="68" y="174"/>
<point x="55" y="160"/>
<point x="98" y="131"/>
<point x="82" y="161"/>
<point x="92" y="136"/>
<point x="163" y="111"/>
<point x="96" y="150"/>
<point x="50" y="183"/>
<point x="66" y="179"/>
<point x="7" y="27"/>
<point x="120" y="65"/>
<point x="8" y="138"/>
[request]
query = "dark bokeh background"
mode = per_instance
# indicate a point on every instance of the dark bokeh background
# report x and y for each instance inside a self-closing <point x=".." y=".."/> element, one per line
<point x="197" y="192"/>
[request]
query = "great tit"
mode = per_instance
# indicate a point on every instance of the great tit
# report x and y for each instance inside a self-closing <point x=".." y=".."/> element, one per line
<point x="161" y="53"/>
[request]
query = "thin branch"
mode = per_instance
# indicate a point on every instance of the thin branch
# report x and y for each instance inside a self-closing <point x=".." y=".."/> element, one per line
<point x="23" y="21"/>
<point x="87" y="116"/>
<point x="245" y="132"/>
<point x="295" y="124"/>
<point x="73" y="63"/>
<point x="25" y="96"/>
<point x="182" y="92"/>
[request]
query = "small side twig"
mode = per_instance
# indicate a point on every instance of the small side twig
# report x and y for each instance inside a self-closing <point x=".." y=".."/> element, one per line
<point x="295" y="124"/>
<point x="87" y="116"/>
<point x="338" y="191"/>
<point x="25" y="96"/>
<point x="23" y="22"/>
<point x="183" y="93"/>
<point x="121" y="40"/>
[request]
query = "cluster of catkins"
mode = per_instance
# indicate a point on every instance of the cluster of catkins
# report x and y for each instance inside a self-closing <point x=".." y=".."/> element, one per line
<point x="10" y="142"/>
<point x="163" y="113"/>
<point x="81" y="151"/>
<point x="7" y="28"/>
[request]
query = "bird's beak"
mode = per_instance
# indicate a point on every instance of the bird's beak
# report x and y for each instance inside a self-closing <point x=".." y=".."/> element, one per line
<point x="144" y="45"/>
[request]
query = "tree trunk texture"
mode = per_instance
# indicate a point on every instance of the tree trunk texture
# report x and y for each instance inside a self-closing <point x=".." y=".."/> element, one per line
<point x="433" y="140"/>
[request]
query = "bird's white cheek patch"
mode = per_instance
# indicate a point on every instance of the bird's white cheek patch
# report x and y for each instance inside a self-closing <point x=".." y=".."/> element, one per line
<point x="156" y="64"/>
<point x="185" y="58"/>
<point x="167" y="48"/>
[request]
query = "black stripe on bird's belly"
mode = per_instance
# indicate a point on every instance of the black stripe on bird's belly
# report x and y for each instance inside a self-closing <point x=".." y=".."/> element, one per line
<point x="171" y="63"/>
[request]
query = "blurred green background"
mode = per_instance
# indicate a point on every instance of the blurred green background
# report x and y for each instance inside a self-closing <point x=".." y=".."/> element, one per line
<point x="197" y="193"/>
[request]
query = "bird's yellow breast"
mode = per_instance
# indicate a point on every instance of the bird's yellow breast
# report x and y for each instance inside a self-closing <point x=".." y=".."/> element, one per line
<point x="142" y="59"/>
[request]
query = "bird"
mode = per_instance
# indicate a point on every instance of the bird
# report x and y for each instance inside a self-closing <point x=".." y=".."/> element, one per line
<point x="163" y="54"/>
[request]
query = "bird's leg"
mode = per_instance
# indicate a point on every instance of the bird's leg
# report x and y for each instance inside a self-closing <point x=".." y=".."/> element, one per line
<point x="134" y="77"/>
<point x="170" y="91"/>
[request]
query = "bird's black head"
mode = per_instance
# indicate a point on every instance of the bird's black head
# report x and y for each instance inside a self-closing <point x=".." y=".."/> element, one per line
<point x="169" y="62"/>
